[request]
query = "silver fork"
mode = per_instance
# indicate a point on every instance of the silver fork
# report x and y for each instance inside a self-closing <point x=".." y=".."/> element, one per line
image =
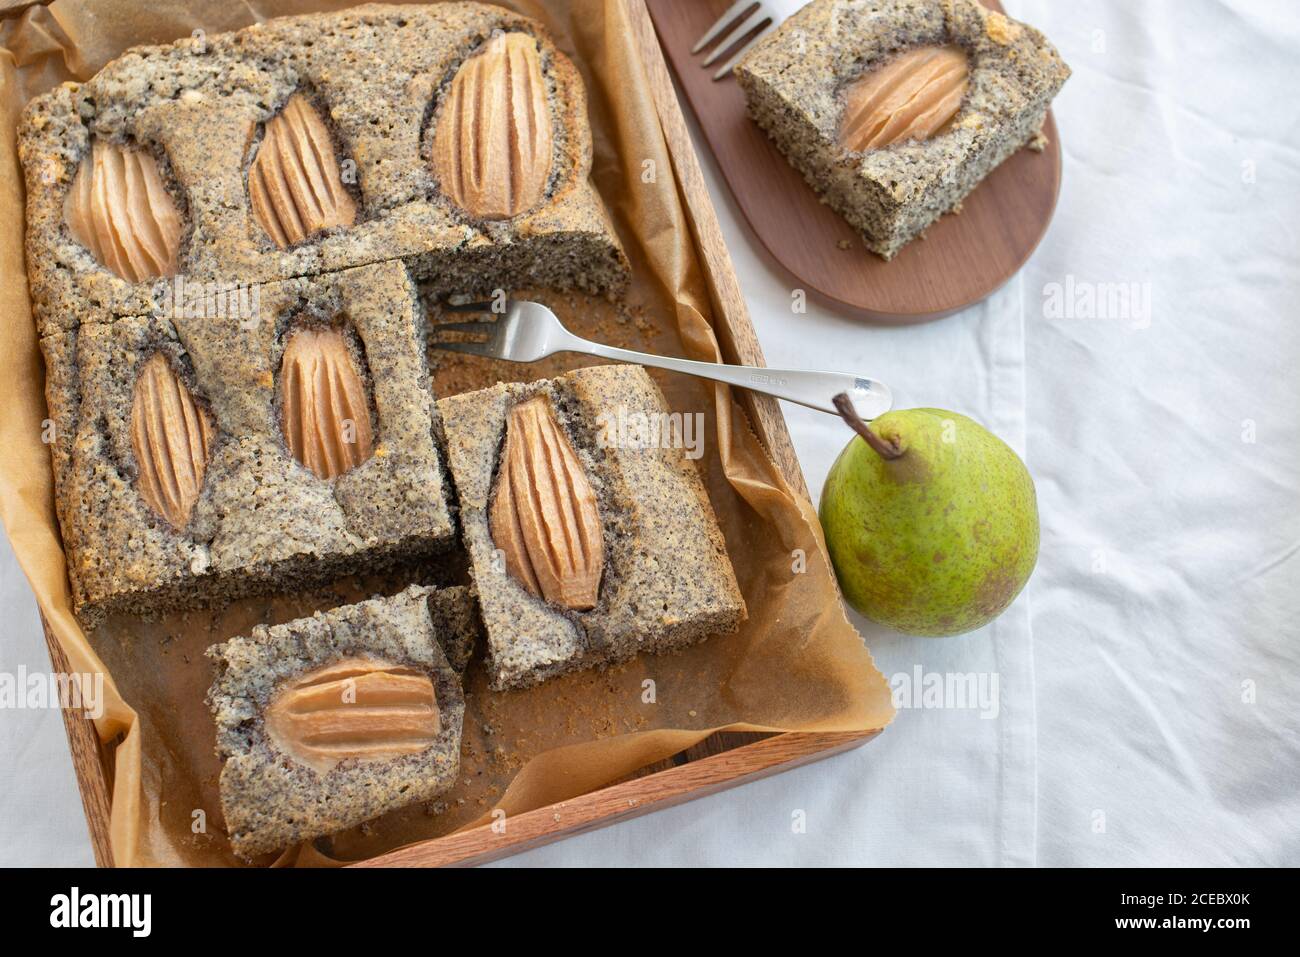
<point x="730" y="28"/>
<point x="528" y="331"/>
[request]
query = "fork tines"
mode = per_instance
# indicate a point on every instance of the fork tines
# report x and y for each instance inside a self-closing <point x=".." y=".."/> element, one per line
<point x="732" y="28"/>
<point x="476" y="328"/>
<point x="466" y="306"/>
<point x="487" y="330"/>
<point x="484" y="346"/>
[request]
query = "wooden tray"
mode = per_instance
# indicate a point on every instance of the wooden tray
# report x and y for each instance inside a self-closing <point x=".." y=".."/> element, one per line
<point x="722" y="760"/>
<point x="963" y="259"/>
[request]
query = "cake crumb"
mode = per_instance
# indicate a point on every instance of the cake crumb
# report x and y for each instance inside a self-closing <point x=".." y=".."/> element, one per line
<point x="1000" y="29"/>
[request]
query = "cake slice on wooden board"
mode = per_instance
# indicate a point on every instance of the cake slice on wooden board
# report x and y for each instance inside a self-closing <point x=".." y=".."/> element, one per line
<point x="590" y="536"/>
<point x="198" y="459"/>
<point x="452" y="136"/>
<point x="329" y="721"/>
<point x="894" y="110"/>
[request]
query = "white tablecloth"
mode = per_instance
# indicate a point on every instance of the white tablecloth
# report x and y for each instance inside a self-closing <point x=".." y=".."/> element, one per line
<point x="1148" y="680"/>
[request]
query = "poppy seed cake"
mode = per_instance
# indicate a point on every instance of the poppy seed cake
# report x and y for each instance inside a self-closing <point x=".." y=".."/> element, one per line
<point x="795" y="83"/>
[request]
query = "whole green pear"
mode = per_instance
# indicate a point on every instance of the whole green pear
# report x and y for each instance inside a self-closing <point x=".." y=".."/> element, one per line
<point x="931" y="521"/>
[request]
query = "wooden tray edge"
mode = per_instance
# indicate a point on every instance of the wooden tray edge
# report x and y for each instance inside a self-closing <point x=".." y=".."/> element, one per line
<point x="89" y="762"/>
<point x="622" y="802"/>
<point x="737" y="338"/>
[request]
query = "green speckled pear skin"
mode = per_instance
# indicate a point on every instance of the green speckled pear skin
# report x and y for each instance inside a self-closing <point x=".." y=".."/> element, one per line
<point x="938" y="541"/>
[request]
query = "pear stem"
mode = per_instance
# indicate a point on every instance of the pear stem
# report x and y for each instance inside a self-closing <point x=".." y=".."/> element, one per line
<point x="844" y="405"/>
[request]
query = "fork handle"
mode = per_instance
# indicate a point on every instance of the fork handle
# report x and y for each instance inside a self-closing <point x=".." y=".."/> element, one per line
<point x="812" y="389"/>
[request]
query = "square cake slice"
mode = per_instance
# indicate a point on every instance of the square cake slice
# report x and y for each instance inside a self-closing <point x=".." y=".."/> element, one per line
<point x="201" y="456"/>
<point x="894" y="110"/>
<point x="451" y="136"/>
<point x="590" y="536"/>
<point x="329" y="721"/>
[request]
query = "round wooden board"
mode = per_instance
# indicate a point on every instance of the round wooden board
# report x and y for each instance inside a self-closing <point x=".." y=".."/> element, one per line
<point x="962" y="259"/>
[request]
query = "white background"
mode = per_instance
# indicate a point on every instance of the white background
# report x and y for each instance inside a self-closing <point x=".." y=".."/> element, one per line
<point x="1148" y="678"/>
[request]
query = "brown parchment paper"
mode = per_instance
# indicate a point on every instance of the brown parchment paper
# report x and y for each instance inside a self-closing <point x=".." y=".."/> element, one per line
<point x="797" y="664"/>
